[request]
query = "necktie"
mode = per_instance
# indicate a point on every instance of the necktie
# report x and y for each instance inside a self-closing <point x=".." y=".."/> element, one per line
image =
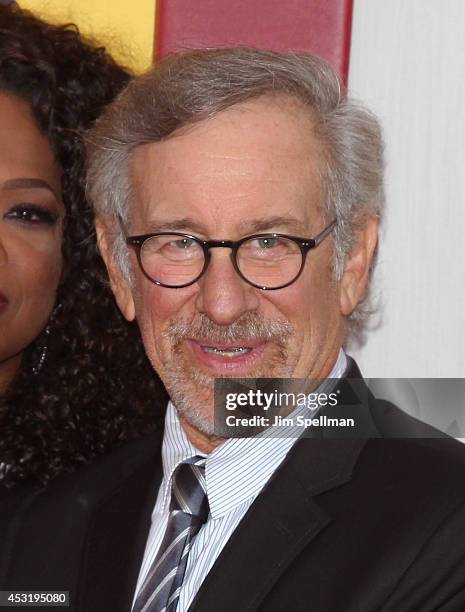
<point x="188" y="511"/>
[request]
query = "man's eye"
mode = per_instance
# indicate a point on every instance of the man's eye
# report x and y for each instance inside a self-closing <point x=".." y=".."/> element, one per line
<point x="184" y="243"/>
<point x="266" y="243"/>
<point x="268" y="247"/>
<point x="31" y="213"/>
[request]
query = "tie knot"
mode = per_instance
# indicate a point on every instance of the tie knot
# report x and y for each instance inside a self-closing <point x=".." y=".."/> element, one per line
<point x="189" y="488"/>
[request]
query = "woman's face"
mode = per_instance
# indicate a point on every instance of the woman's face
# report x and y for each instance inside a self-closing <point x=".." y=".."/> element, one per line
<point x="31" y="225"/>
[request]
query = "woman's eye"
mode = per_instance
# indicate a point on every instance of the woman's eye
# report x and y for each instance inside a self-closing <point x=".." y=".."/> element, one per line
<point x="33" y="214"/>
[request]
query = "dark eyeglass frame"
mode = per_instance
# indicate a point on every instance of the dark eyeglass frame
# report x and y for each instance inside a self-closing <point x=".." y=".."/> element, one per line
<point x="305" y="245"/>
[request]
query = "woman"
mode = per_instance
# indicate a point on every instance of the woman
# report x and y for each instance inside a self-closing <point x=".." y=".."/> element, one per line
<point x="74" y="378"/>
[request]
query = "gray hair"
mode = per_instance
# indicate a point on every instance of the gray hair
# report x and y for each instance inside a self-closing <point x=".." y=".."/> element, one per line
<point x="193" y="86"/>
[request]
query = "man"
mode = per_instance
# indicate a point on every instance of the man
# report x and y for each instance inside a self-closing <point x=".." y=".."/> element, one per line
<point x="238" y="194"/>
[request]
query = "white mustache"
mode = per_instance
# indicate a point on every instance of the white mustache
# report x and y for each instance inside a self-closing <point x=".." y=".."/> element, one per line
<point x="249" y="327"/>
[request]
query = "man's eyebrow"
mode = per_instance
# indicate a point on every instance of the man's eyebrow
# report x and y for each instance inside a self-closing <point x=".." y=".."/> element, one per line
<point x="186" y="225"/>
<point x="266" y="224"/>
<point x="28" y="183"/>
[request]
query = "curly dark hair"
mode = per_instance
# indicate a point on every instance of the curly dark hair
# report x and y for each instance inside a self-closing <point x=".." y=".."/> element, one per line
<point x="96" y="387"/>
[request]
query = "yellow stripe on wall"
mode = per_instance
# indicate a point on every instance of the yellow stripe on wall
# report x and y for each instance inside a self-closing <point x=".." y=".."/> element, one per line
<point x="124" y="27"/>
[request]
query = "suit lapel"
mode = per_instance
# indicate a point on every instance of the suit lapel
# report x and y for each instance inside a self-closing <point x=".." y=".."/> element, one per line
<point x="282" y="521"/>
<point x="356" y="401"/>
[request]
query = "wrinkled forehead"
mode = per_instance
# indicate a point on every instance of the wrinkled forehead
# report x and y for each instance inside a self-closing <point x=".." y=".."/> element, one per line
<point x="256" y="159"/>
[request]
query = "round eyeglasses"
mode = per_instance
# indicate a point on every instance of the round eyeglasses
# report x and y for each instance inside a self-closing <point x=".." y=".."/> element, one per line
<point x="265" y="261"/>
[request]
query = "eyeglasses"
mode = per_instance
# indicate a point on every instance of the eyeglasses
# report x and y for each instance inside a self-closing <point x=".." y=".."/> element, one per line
<point x="265" y="261"/>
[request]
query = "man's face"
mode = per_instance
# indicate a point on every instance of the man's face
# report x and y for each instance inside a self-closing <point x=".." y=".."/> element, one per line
<point x="253" y="168"/>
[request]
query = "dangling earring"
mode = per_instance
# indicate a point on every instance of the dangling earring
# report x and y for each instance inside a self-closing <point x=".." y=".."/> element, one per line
<point x="43" y="347"/>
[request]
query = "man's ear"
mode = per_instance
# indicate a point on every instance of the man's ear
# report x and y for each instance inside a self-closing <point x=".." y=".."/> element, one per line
<point x="105" y="228"/>
<point x="357" y="267"/>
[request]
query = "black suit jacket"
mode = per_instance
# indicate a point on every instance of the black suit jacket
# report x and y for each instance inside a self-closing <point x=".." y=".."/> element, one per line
<point x="350" y="524"/>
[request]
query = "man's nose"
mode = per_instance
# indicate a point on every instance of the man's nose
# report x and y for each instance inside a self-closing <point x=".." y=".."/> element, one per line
<point x="224" y="296"/>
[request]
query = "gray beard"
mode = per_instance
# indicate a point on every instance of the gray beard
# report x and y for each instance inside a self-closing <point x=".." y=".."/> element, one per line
<point x="192" y="390"/>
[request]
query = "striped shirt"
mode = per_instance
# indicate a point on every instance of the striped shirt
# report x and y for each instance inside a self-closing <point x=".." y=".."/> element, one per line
<point x="236" y="472"/>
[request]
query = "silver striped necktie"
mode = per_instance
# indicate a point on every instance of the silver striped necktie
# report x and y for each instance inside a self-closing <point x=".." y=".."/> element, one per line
<point x="188" y="511"/>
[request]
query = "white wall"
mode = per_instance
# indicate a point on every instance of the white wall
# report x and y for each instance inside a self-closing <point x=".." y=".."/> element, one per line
<point x="408" y="65"/>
